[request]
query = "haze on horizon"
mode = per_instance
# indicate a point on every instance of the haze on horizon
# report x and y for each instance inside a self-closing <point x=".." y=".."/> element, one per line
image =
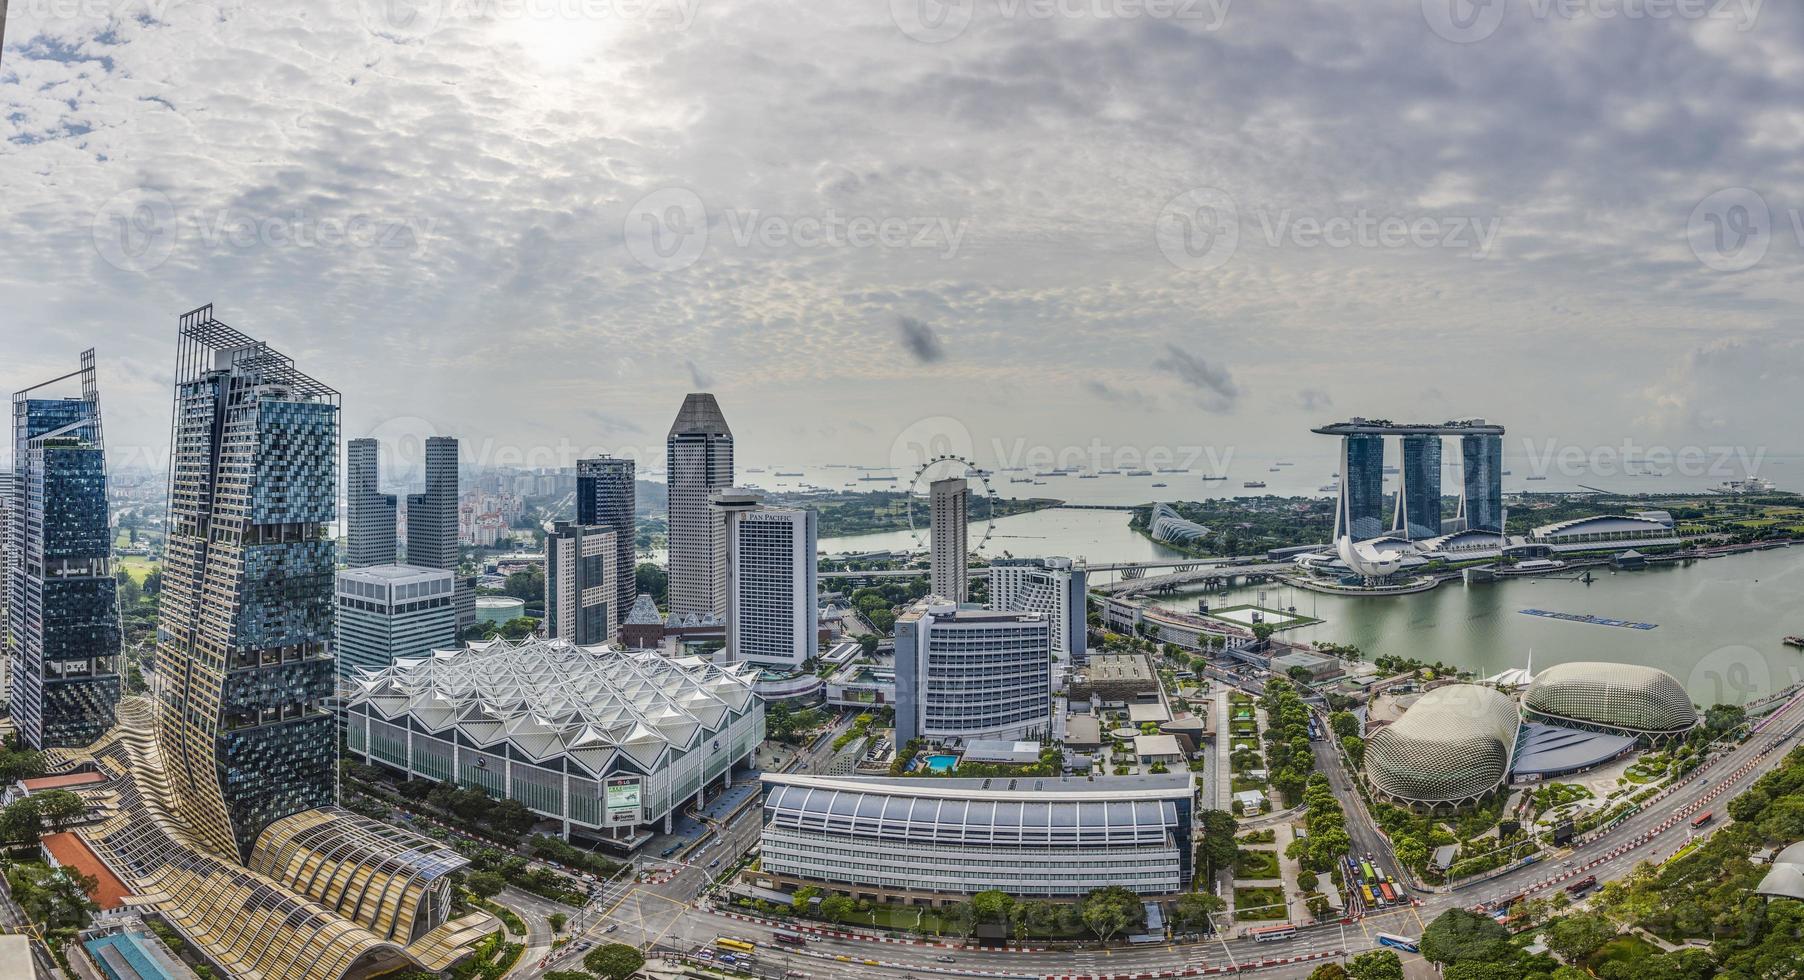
<point x="536" y="224"/>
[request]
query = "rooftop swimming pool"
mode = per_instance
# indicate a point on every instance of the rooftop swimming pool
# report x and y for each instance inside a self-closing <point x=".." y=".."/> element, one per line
<point x="941" y="763"/>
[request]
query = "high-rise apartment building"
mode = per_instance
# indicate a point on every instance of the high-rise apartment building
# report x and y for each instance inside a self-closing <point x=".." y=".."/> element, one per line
<point x="432" y="524"/>
<point x="1481" y="479"/>
<point x="370" y="516"/>
<point x="386" y="612"/>
<point x="971" y="673"/>
<point x="949" y="501"/>
<point x="699" y="461"/>
<point x="773" y="618"/>
<point x="245" y="643"/>
<point x="1419" y="497"/>
<point x="1054" y="587"/>
<point x="605" y="497"/>
<point x="581" y="561"/>
<point x="6" y="565"/>
<point x="64" y="603"/>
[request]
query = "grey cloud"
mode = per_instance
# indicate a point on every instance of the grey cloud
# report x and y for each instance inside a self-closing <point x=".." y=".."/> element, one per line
<point x="919" y="340"/>
<point x="1314" y="400"/>
<point x="1212" y="385"/>
<point x="697" y="377"/>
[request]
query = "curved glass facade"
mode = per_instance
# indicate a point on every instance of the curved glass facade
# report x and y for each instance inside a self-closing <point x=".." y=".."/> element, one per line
<point x="1452" y="746"/>
<point x="1622" y="697"/>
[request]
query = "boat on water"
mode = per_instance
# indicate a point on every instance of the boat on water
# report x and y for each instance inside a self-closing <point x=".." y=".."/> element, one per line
<point x="1794" y="641"/>
<point x="1087" y="476"/>
<point x="781" y="473"/>
<point x="1172" y="469"/>
<point x="1136" y="472"/>
<point x="1330" y="488"/>
<point x="1749" y="485"/>
<point x="1039" y="483"/>
<point x="877" y="479"/>
<point x="1214" y="477"/>
<point x="1273" y="469"/>
<point x="1254" y="484"/>
<point x="1284" y="463"/>
<point x="1535" y="478"/>
<point x="1158" y="485"/>
<point x="1020" y="479"/>
<point x="1052" y="473"/>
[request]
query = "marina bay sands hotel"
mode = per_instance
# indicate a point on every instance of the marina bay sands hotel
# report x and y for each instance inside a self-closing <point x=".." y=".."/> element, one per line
<point x="1359" y="513"/>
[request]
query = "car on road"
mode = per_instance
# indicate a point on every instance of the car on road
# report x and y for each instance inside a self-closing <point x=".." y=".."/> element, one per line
<point x="945" y="959"/>
<point x="611" y="927"/>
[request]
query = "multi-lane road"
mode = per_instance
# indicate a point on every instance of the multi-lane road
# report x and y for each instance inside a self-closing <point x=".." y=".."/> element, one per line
<point x="670" y="912"/>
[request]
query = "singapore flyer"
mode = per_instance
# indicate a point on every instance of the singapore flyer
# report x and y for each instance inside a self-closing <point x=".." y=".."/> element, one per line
<point x="981" y="503"/>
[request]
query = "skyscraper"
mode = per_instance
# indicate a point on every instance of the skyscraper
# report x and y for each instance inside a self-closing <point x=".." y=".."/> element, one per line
<point x="370" y="513"/>
<point x="580" y="591"/>
<point x="605" y="497"/>
<point x="1481" y="479"/>
<point x="1419" y="498"/>
<point x="386" y="612"/>
<point x="773" y="617"/>
<point x="6" y="563"/>
<point x="971" y="673"/>
<point x="1053" y="586"/>
<point x="699" y="460"/>
<point x="245" y="642"/>
<point x="950" y="551"/>
<point x="1360" y="514"/>
<point x="432" y="523"/>
<point x="64" y="605"/>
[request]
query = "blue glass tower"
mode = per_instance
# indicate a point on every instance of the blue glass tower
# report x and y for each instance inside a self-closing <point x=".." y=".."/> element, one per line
<point x="1361" y="513"/>
<point x="1481" y="500"/>
<point x="245" y="642"/>
<point x="63" y="601"/>
<point x="1419" y="499"/>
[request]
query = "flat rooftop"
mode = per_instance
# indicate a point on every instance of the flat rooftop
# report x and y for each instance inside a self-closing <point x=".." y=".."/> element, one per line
<point x="1031" y="788"/>
<point x="1109" y="667"/>
<point x="1385" y="427"/>
<point x="71" y="851"/>
<point x="1543" y="749"/>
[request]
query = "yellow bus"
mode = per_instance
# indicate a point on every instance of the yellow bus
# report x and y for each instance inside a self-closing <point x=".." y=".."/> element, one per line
<point x="736" y="945"/>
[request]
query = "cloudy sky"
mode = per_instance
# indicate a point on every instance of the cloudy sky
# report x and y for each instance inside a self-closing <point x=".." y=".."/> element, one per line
<point x="867" y="225"/>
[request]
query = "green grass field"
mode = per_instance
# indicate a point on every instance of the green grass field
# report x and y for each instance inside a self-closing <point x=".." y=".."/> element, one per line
<point x="1259" y="904"/>
<point x="1258" y="865"/>
<point x="138" y="568"/>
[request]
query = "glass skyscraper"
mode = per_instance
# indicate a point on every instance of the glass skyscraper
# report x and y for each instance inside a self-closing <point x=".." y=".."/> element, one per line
<point x="245" y="642"/>
<point x="605" y="497"/>
<point x="1361" y="513"/>
<point x="63" y="604"/>
<point x="370" y="537"/>
<point x="1419" y="499"/>
<point x="699" y="460"/>
<point x="1481" y="503"/>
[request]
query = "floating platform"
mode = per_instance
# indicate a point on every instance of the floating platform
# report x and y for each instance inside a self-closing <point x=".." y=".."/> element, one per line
<point x="1588" y="618"/>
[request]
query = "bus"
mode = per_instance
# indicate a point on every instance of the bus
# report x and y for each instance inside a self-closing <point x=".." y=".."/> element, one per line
<point x="734" y="945"/>
<point x="788" y="938"/>
<point x="1397" y="942"/>
<point x="1365" y="891"/>
<point x="1389" y="894"/>
<point x="1365" y="870"/>
<point x="1272" y="934"/>
<point x="1581" y="885"/>
<point x="1701" y="819"/>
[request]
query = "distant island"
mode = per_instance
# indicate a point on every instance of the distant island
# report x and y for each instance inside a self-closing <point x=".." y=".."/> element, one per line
<point x="880" y="511"/>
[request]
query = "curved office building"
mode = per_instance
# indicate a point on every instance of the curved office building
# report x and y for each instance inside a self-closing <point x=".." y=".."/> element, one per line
<point x="1451" y="747"/>
<point x="1628" y="698"/>
<point x="933" y="840"/>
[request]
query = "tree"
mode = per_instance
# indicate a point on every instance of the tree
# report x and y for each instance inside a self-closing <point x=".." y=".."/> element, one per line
<point x="1217" y="849"/>
<point x="1378" y="964"/>
<point x="868" y="643"/>
<point x="528" y="585"/>
<point x="1721" y="719"/>
<point x="1327" y="971"/>
<point x="556" y="921"/>
<point x="1356" y="750"/>
<point x="557" y="975"/>
<point x="1457" y="935"/>
<point x="991" y="906"/>
<point x="653" y="581"/>
<point x="613" y="961"/>
<point x="1410" y="850"/>
<point x="1344" y="723"/>
<point x="1195" y="908"/>
<point x="838" y="908"/>
<point x="1578" y="936"/>
<point x="486" y="884"/>
<point x="799" y="901"/>
<point x="1107" y="911"/>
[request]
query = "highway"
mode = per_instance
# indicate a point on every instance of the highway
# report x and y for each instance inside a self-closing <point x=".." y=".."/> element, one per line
<point x="671" y="913"/>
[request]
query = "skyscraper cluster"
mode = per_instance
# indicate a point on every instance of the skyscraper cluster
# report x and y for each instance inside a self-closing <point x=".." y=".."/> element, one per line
<point x="1359" y="509"/>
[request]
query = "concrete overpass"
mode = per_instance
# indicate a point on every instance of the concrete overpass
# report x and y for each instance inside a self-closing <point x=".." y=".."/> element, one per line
<point x="1131" y="571"/>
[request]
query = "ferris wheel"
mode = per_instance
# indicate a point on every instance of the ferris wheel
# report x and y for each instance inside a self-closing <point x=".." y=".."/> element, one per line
<point x="950" y="466"/>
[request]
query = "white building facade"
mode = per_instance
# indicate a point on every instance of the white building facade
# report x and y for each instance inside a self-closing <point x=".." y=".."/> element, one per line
<point x="950" y="548"/>
<point x="386" y="612"/>
<point x="772" y="580"/>
<point x="581" y="561"/>
<point x="1053" y="586"/>
<point x="972" y="673"/>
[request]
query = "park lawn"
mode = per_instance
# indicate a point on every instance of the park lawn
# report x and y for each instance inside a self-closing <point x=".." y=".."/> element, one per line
<point x="1256" y="864"/>
<point x="1259" y="904"/>
<point x="139" y="568"/>
<point x="1622" y="949"/>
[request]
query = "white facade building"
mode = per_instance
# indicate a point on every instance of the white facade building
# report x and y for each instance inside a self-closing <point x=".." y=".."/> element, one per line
<point x="772" y="581"/>
<point x="606" y="741"/>
<point x="580" y="589"/>
<point x="699" y="461"/>
<point x="1054" y="586"/>
<point x="386" y="612"/>
<point x="971" y="673"/>
<point x="951" y="550"/>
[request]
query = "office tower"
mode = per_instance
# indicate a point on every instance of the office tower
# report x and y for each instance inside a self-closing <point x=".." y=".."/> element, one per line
<point x="605" y="497"/>
<point x="386" y="612"/>
<point x="581" y="561"/>
<point x="1419" y="497"/>
<point x="950" y="553"/>
<point x="699" y="461"/>
<point x="64" y="604"/>
<point x="369" y="513"/>
<point x="1481" y="479"/>
<point x="971" y="673"/>
<point x="6" y="551"/>
<point x="1052" y="586"/>
<point x="773" y="618"/>
<point x="245" y="642"/>
<point x="1360" y="514"/>
<point x="432" y="524"/>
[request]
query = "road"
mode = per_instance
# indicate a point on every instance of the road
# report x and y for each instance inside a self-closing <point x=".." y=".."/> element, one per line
<point x="670" y="912"/>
